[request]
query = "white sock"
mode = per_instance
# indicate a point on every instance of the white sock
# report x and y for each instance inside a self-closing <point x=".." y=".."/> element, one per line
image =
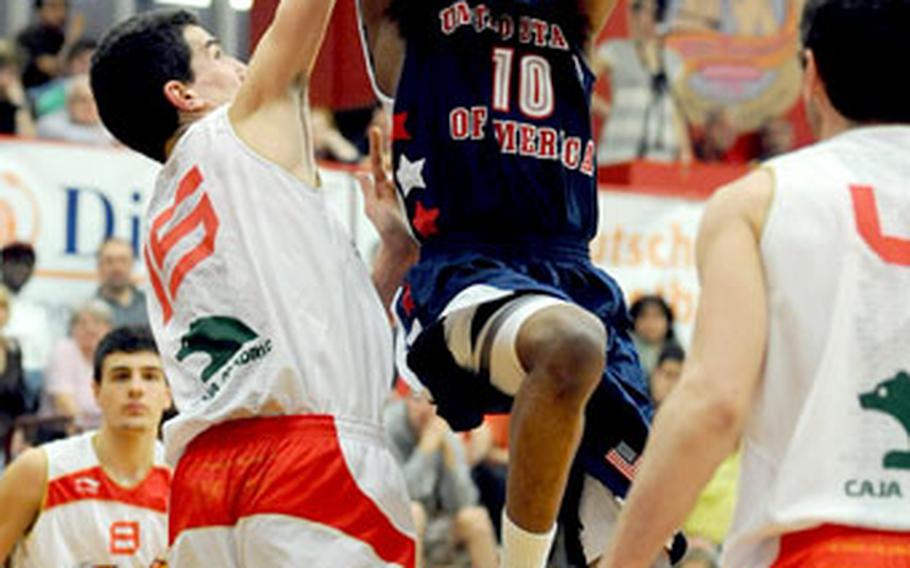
<point x="523" y="549"/>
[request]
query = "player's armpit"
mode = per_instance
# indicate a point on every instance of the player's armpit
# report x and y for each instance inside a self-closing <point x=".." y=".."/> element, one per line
<point x="384" y="44"/>
<point x="22" y="489"/>
<point x="285" y="55"/>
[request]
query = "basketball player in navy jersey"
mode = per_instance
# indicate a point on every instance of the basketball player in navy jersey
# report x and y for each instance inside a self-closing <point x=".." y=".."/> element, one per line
<point x="493" y="153"/>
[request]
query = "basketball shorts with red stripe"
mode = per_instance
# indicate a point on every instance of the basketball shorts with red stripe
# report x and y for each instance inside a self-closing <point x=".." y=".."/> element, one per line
<point x="291" y="491"/>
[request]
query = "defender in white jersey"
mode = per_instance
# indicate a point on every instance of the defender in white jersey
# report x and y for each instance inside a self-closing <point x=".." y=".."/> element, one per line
<point x="99" y="499"/>
<point x="276" y="342"/>
<point x="802" y="342"/>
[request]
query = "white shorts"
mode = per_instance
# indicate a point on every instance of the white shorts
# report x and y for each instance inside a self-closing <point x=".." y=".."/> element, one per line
<point x="290" y="491"/>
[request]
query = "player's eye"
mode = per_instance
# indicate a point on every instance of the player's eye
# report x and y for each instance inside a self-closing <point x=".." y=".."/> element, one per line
<point x="882" y="392"/>
<point x="152" y="376"/>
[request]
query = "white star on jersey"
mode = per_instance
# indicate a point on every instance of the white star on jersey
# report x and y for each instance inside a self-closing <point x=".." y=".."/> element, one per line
<point x="410" y="174"/>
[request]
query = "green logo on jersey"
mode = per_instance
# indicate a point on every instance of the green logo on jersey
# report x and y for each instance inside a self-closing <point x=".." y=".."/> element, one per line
<point x="217" y="336"/>
<point x="893" y="398"/>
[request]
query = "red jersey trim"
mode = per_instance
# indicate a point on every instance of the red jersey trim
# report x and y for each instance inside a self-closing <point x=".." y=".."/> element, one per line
<point x="93" y="484"/>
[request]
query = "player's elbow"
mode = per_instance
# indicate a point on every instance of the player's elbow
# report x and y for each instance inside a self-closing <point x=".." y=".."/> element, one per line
<point x="720" y="409"/>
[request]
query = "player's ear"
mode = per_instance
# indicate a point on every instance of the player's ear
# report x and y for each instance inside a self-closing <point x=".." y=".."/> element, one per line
<point x="183" y="97"/>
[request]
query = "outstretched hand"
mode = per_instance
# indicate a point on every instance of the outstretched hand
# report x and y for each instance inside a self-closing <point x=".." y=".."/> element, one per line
<point x="397" y="248"/>
<point x="382" y="203"/>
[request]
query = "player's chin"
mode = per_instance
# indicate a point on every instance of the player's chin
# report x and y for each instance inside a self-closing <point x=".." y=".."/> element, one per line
<point x="136" y="424"/>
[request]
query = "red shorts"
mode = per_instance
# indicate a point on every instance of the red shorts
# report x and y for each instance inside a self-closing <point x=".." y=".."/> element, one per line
<point x="831" y="546"/>
<point x="289" y="491"/>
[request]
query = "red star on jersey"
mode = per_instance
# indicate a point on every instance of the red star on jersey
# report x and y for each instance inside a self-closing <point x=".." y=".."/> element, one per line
<point x="425" y="220"/>
<point x="399" y="130"/>
<point x="407" y="300"/>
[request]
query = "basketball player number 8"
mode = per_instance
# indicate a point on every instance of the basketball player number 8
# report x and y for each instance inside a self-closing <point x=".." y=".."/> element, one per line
<point x="535" y="83"/>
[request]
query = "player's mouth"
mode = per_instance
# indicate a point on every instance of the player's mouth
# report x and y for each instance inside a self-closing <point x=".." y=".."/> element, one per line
<point x="135" y="409"/>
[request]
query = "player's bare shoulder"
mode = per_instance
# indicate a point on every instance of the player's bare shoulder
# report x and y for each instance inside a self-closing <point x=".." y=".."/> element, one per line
<point x="748" y="198"/>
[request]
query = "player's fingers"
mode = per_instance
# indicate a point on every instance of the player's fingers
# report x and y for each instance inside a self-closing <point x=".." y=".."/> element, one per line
<point x="376" y="161"/>
<point x="366" y="184"/>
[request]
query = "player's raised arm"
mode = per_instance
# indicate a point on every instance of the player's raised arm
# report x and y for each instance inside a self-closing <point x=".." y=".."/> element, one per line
<point x="285" y="56"/>
<point x="21" y="491"/>
<point x="598" y="11"/>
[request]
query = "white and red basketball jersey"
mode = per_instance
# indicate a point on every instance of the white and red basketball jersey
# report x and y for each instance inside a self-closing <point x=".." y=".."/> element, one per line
<point x="89" y="520"/>
<point x="827" y="440"/>
<point x="261" y="304"/>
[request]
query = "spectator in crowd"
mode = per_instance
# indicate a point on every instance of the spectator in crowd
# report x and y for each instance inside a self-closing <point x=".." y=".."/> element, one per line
<point x="15" y="117"/>
<point x="776" y="137"/>
<point x="52" y="96"/>
<point x="68" y="389"/>
<point x="79" y="120"/>
<point x="439" y="483"/>
<point x="643" y="119"/>
<point x="116" y="289"/>
<point x="652" y="319"/>
<point x="721" y="142"/>
<point x="13" y="398"/>
<point x="28" y="321"/>
<point x="488" y="455"/>
<point x="667" y="372"/>
<point x="328" y="142"/>
<point x="45" y="40"/>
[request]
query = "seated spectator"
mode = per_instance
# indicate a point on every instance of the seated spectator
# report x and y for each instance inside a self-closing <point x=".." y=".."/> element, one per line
<point x="13" y="396"/>
<point x="328" y="142"/>
<point x="51" y="97"/>
<point x="45" y="40"/>
<point x="721" y="142"/>
<point x="652" y="322"/>
<point x="28" y="320"/>
<point x="776" y="137"/>
<point x="444" y="499"/>
<point x="116" y="289"/>
<point x="68" y="388"/>
<point x="79" y="121"/>
<point x="666" y="372"/>
<point x="15" y="117"/>
<point x="488" y="455"/>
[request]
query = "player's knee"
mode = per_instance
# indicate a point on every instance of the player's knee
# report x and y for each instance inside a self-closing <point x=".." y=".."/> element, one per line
<point x="567" y="346"/>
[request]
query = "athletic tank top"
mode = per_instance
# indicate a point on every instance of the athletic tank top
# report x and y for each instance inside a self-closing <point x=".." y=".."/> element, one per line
<point x="829" y="434"/>
<point x="261" y="304"/>
<point x="88" y="520"/>
<point x="492" y="127"/>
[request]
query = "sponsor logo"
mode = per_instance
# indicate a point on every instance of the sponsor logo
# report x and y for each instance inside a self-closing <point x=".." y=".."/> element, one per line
<point x="892" y="397"/>
<point x="880" y="489"/>
<point x="229" y="344"/>
<point x="87" y="485"/>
